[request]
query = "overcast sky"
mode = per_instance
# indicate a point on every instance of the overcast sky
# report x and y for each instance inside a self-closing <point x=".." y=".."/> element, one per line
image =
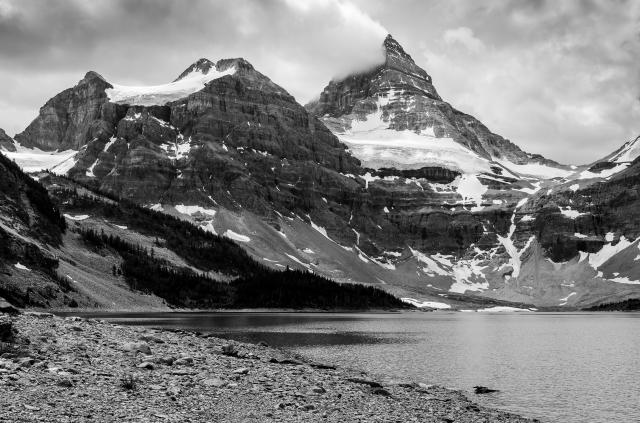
<point x="560" y="78"/>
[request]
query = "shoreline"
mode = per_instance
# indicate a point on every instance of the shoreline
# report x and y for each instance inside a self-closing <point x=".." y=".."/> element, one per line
<point x="75" y="369"/>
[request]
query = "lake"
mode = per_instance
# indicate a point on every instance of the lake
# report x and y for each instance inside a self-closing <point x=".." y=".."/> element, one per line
<point x="558" y="367"/>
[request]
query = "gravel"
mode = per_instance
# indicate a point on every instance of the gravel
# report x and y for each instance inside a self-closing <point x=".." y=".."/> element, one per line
<point x="53" y="372"/>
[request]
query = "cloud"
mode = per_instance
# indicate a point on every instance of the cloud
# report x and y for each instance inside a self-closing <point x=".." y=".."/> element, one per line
<point x="465" y="37"/>
<point x="299" y="45"/>
<point x="557" y="78"/>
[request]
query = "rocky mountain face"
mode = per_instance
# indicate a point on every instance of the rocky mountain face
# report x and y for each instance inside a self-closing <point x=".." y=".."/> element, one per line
<point x="71" y="118"/>
<point x="6" y="142"/>
<point x="380" y="182"/>
<point x="30" y="227"/>
<point x="404" y="97"/>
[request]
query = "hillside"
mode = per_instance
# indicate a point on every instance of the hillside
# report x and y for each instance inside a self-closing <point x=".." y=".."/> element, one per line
<point x="380" y="182"/>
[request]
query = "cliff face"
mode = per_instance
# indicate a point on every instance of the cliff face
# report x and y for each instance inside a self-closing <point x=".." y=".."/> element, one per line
<point x="380" y="182"/>
<point x="6" y="142"/>
<point x="70" y="119"/>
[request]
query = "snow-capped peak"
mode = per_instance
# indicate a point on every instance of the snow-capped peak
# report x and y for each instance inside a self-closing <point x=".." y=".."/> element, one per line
<point x="394" y="49"/>
<point x="202" y="66"/>
<point x="192" y="80"/>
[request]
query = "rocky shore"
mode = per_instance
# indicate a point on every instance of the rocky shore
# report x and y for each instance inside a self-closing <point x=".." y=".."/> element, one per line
<point x="55" y="369"/>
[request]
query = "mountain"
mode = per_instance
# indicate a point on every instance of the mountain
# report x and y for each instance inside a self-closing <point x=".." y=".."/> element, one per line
<point x="392" y="116"/>
<point x="379" y="182"/>
<point x="6" y="142"/>
<point x="124" y="256"/>
<point x="31" y="226"/>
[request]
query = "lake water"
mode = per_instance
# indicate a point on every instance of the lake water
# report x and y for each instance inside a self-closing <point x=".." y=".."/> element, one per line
<point x="558" y="367"/>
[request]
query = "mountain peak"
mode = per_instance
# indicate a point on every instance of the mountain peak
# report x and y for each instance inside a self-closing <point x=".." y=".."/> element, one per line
<point x="93" y="75"/>
<point x="394" y="51"/>
<point x="202" y="66"/>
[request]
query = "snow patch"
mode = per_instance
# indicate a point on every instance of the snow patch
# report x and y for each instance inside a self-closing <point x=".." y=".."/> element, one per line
<point x="21" y="267"/>
<point x="191" y="210"/>
<point x="571" y="214"/>
<point x="563" y="301"/>
<point x="536" y="169"/>
<point x="236" y="236"/>
<point x="470" y="189"/>
<point x="78" y="217"/>
<point x="89" y="171"/>
<point x="608" y="251"/>
<point x="503" y="309"/>
<point x="426" y="304"/>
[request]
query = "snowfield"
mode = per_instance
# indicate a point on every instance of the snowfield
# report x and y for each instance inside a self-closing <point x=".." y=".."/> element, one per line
<point x="377" y="146"/>
<point x="158" y="95"/>
<point x="537" y="170"/>
<point x="36" y="160"/>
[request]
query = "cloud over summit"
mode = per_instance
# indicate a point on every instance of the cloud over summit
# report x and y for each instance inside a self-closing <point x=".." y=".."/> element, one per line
<point x="558" y="78"/>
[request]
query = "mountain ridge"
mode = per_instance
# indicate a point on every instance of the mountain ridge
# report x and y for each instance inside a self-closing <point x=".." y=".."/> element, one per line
<point x="379" y="182"/>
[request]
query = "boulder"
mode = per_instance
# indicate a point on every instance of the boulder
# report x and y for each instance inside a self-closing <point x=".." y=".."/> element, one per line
<point x="7" y="331"/>
<point x="483" y="390"/>
<point x="7" y="308"/>
<point x="134" y="347"/>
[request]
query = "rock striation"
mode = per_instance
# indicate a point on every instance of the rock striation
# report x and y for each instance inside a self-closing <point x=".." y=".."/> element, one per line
<point x="380" y="181"/>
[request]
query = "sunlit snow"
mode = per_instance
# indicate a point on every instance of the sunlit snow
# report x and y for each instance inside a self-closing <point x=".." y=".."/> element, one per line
<point x="21" y="267"/>
<point x="35" y="160"/>
<point x="236" y="236"/>
<point x="428" y="304"/>
<point x="162" y="94"/>
<point x="78" y="217"/>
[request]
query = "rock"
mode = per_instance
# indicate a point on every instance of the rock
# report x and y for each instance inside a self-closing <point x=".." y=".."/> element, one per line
<point x="146" y="365"/>
<point x="184" y="361"/>
<point x="26" y="362"/>
<point x="6" y="141"/>
<point x="241" y="371"/>
<point x="151" y="338"/>
<point x="173" y="390"/>
<point x="7" y="332"/>
<point x="76" y="328"/>
<point x="230" y="350"/>
<point x="370" y="383"/>
<point x="380" y="391"/>
<point x="483" y="390"/>
<point x="142" y="347"/>
<point x="167" y="361"/>
<point x="318" y="389"/>
<point x="323" y="366"/>
<point x="40" y="314"/>
<point x="70" y="119"/>
<point x="7" y="308"/>
<point x="286" y="361"/>
<point x="215" y="382"/>
<point x="65" y="383"/>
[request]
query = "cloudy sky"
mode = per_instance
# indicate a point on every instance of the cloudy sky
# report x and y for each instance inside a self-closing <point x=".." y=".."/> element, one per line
<point x="560" y="78"/>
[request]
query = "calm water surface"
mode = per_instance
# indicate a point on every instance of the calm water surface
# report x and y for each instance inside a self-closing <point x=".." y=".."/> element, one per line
<point x="564" y="367"/>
